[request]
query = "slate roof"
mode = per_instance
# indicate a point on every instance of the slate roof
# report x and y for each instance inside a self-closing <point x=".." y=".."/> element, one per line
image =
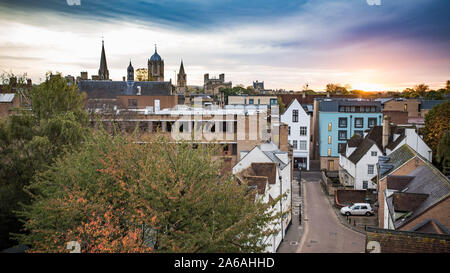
<point x="355" y="140"/>
<point x="362" y="149"/>
<point x="427" y="188"/>
<point x="112" y="89"/>
<point x="431" y="226"/>
<point x="394" y="160"/>
<point x="275" y="159"/>
<point x="429" y="104"/>
<point x="332" y="105"/>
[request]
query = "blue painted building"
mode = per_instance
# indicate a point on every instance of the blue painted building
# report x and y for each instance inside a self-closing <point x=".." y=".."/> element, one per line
<point x="339" y="120"/>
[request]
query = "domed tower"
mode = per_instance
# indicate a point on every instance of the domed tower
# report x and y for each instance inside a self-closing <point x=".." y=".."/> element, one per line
<point x="130" y="73"/>
<point x="156" y="68"/>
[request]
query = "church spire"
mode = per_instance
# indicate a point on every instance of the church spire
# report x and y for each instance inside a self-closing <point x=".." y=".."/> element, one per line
<point x="103" y="72"/>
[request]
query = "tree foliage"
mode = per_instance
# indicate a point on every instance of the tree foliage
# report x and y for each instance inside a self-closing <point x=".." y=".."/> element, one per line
<point x="437" y="123"/>
<point x="338" y="89"/>
<point x="118" y="196"/>
<point x="31" y="140"/>
<point x="443" y="152"/>
<point x="237" y="91"/>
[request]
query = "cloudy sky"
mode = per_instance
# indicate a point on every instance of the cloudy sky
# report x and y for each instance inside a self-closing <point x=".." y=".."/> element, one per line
<point x="284" y="43"/>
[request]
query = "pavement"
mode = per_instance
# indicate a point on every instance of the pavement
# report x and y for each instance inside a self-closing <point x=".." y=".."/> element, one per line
<point x="295" y="230"/>
<point x="322" y="230"/>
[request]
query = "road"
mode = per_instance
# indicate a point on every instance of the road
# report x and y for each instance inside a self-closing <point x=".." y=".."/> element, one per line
<point x="323" y="233"/>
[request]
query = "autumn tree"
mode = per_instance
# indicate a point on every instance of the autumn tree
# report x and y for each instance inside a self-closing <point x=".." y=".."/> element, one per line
<point x="437" y="123"/>
<point x="337" y="88"/>
<point x="31" y="140"/>
<point x="115" y="195"/>
<point x="443" y="152"/>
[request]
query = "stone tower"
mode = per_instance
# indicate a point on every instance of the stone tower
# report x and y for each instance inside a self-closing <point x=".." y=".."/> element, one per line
<point x="181" y="81"/>
<point x="103" y="72"/>
<point x="130" y="73"/>
<point x="156" y="68"/>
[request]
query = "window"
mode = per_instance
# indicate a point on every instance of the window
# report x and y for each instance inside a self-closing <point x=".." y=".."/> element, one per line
<point x="289" y="130"/>
<point x="302" y="145"/>
<point x="405" y="107"/>
<point x="329" y="139"/>
<point x="342" y="135"/>
<point x="329" y="152"/>
<point x="341" y="147"/>
<point x="329" y="127"/>
<point x="294" y="144"/>
<point x="294" y="115"/>
<point x="365" y="185"/>
<point x="359" y="132"/>
<point x="342" y="122"/>
<point x="359" y="122"/>
<point x="372" y="122"/>
<point x="364" y="207"/>
<point x="303" y="130"/>
<point x="370" y="169"/>
<point x="374" y="153"/>
<point x="250" y="101"/>
<point x="273" y="102"/>
<point x="132" y="103"/>
<point x="259" y="101"/>
<point x="245" y="101"/>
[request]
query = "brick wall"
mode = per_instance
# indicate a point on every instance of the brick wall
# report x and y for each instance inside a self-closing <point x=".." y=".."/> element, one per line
<point x="408" y="242"/>
<point x="403" y="170"/>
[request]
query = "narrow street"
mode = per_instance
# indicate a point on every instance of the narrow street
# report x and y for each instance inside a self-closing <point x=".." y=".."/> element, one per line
<point x="323" y="233"/>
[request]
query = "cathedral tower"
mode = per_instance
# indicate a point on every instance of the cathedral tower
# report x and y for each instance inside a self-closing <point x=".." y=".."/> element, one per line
<point x="181" y="82"/>
<point x="103" y="72"/>
<point x="156" y="68"/>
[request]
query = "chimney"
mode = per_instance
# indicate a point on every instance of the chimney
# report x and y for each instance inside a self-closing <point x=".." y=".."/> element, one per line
<point x="304" y="94"/>
<point x="386" y="131"/>
<point x="29" y="82"/>
<point x="123" y="78"/>
<point x="284" y="143"/>
<point x="206" y="77"/>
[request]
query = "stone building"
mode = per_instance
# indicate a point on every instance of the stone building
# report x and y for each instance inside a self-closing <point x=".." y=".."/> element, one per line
<point x="156" y="67"/>
<point x="212" y="86"/>
<point x="181" y="80"/>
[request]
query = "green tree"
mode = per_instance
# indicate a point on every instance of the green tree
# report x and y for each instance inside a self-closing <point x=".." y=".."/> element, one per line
<point x="118" y="196"/>
<point x="31" y="140"/>
<point x="337" y="89"/>
<point x="443" y="152"/>
<point x="437" y="122"/>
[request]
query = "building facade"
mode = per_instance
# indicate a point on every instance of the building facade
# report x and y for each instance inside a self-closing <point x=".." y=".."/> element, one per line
<point x="338" y="121"/>
<point x="155" y="67"/>
<point x="212" y="86"/>
<point x="299" y="123"/>
<point x="276" y="166"/>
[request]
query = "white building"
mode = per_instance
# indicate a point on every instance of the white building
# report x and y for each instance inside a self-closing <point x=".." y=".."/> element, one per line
<point x="266" y="160"/>
<point x="358" y="162"/>
<point x="299" y="133"/>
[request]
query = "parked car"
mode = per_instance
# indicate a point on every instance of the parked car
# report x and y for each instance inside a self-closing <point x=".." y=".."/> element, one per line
<point x="358" y="209"/>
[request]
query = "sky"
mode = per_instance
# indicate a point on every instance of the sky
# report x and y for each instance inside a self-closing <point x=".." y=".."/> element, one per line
<point x="374" y="45"/>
